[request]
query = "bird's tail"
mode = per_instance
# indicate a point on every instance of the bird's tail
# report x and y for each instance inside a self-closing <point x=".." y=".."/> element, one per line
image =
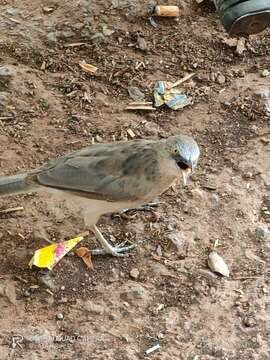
<point x="16" y="184"/>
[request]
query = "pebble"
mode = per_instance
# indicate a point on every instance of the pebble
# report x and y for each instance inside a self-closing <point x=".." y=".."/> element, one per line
<point x="177" y="239"/>
<point x="3" y="98"/>
<point x="262" y="232"/>
<point x="7" y="71"/>
<point x="265" y="73"/>
<point x="60" y="316"/>
<point x="221" y="79"/>
<point x="47" y="281"/>
<point x="93" y="308"/>
<point x="106" y="31"/>
<point x="134" y="292"/>
<point x="142" y="45"/>
<point x="52" y="37"/>
<point x="134" y="273"/>
<point x="12" y="11"/>
<point x="249" y="322"/>
<point x="197" y="194"/>
<point x="135" y="93"/>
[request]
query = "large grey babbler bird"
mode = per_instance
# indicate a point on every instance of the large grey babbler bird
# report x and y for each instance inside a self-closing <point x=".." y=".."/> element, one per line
<point x="106" y="178"/>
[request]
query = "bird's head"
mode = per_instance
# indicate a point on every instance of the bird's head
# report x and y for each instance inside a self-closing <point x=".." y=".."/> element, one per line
<point x="185" y="152"/>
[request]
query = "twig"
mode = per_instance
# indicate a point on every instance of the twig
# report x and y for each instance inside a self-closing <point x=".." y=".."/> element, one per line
<point x="141" y="107"/>
<point x="246" y="278"/>
<point x="10" y="210"/>
<point x="185" y="78"/>
<point x="6" y="117"/>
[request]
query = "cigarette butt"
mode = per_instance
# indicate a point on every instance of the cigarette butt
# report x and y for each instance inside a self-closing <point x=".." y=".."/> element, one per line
<point x="167" y="11"/>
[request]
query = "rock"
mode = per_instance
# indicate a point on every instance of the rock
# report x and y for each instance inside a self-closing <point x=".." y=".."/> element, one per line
<point x="135" y="93"/>
<point x="66" y="34"/>
<point x="13" y="11"/>
<point x="177" y="239"/>
<point x="134" y="293"/>
<point x="106" y="31"/>
<point x="240" y="47"/>
<point x="249" y="321"/>
<point x="39" y="233"/>
<point x="265" y="73"/>
<point x="8" y="290"/>
<point x="93" y="308"/>
<point x="134" y="273"/>
<point x="52" y="37"/>
<point x="172" y="317"/>
<point x="221" y="79"/>
<point x="98" y="37"/>
<point x="262" y="232"/>
<point x="142" y="45"/>
<point x="7" y="71"/>
<point x="217" y="264"/>
<point x="3" y="98"/>
<point x="197" y="194"/>
<point x="47" y="280"/>
<point x="60" y="316"/>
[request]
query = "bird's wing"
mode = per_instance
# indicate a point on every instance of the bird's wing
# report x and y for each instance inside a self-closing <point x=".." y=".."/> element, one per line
<point x="112" y="172"/>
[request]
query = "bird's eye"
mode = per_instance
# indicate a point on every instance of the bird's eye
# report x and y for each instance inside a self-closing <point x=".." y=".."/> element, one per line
<point x="175" y="151"/>
<point x="182" y="165"/>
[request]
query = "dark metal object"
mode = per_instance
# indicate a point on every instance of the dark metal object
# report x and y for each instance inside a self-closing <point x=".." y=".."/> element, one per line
<point x="244" y="17"/>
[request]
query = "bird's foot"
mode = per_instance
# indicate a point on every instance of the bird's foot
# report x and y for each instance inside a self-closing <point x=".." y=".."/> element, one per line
<point x="107" y="248"/>
<point x="150" y="207"/>
<point x="117" y="250"/>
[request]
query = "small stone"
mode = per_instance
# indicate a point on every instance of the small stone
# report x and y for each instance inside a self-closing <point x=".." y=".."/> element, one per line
<point x="133" y="293"/>
<point x="66" y="34"/>
<point x="221" y="79"/>
<point x="98" y="37"/>
<point x="63" y="287"/>
<point x="3" y="98"/>
<point x="93" y="308"/>
<point x="265" y="73"/>
<point x="7" y="71"/>
<point x="48" y="9"/>
<point x="142" y="45"/>
<point x="27" y="293"/>
<point x="60" y="316"/>
<point x="197" y="194"/>
<point x="249" y="322"/>
<point x="106" y="31"/>
<point x="47" y="281"/>
<point x="240" y="47"/>
<point x="135" y="93"/>
<point x="134" y="273"/>
<point x="178" y="240"/>
<point x="13" y="11"/>
<point x="52" y="37"/>
<point x="262" y="232"/>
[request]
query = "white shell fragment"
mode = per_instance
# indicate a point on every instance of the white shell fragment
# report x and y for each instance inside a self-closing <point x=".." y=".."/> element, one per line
<point x="217" y="264"/>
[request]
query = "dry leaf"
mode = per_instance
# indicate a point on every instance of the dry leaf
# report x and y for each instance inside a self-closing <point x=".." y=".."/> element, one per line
<point x="88" y="67"/>
<point x="85" y="255"/>
<point x="217" y="264"/>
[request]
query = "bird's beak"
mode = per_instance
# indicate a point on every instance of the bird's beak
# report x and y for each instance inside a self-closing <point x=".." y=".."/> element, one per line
<point x="186" y="173"/>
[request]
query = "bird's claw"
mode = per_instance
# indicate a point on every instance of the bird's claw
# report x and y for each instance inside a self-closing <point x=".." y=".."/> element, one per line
<point x="150" y="207"/>
<point x="117" y="250"/>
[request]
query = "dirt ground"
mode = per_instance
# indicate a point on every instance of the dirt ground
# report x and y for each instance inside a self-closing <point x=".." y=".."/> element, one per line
<point x="159" y="294"/>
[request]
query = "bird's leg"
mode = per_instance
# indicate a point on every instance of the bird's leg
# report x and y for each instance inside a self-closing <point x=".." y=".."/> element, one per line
<point x="107" y="248"/>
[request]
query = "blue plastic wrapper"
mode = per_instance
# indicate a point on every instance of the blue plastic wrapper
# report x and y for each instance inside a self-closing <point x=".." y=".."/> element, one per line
<point x="170" y="97"/>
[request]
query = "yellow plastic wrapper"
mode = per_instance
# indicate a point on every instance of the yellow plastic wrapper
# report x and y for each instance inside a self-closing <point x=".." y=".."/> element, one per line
<point x="49" y="256"/>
